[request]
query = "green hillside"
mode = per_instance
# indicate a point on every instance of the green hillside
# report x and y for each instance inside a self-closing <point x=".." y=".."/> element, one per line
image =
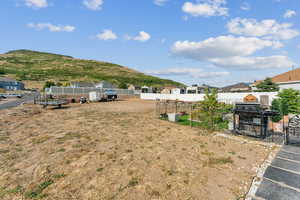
<point x="40" y="66"/>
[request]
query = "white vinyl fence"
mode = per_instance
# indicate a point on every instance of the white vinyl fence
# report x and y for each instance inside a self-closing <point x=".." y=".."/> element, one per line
<point x="83" y="91"/>
<point x="228" y="98"/>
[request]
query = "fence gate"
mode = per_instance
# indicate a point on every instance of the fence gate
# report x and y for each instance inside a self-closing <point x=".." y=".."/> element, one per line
<point x="293" y="131"/>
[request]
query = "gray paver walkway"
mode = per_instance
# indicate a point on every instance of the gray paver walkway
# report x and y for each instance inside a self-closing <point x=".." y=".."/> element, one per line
<point x="281" y="180"/>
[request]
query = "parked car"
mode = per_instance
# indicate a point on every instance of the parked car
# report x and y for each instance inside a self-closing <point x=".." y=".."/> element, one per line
<point x="111" y="94"/>
<point x="13" y="95"/>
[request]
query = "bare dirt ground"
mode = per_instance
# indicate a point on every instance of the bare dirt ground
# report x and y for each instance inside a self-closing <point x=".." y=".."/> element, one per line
<point x="118" y="150"/>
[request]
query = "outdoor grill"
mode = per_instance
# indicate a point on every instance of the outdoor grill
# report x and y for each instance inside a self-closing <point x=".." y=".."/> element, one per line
<point x="251" y="119"/>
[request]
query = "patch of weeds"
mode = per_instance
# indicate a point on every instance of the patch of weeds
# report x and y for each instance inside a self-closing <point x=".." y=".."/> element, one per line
<point x="149" y="138"/>
<point x="3" y="138"/>
<point x="218" y="161"/>
<point x="37" y="192"/>
<point x="207" y="153"/>
<point x="99" y="169"/>
<point x="69" y="136"/>
<point x="76" y="145"/>
<point x="18" y="189"/>
<point x="58" y="176"/>
<point x="61" y="150"/>
<point x="133" y="182"/>
<point x="241" y="157"/>
<point x="232" y="152"/>
<point x="129" y="151"/>
<point x="40" y="140"/>
<point x="171" y="172"/>
<point x="19" y="149"/>
<point x="4" y="151"/>
<point x="154" y="193"/>
<point x="169" y="186"/>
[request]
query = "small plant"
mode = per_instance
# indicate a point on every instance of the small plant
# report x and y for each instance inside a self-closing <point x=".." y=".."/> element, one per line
<point x="221" y="160"/>
<point x="241" y="157"/>
<point x="4" y="151"/>
<point x="37" y="193"/>
<point x="58" y="176"/>
<point x="133" y="182"/>
<point x="61" y="150"/>
<point x="99" y="169"/>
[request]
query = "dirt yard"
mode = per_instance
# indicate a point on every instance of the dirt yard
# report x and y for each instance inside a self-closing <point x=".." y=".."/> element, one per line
<point x="118" y="150"/>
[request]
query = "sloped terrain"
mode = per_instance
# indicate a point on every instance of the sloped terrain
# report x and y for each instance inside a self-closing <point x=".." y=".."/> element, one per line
<point x="39" y="66"/>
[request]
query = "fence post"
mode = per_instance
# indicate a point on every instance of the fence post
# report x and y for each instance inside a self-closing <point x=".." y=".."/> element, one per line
<point x="191" y="116"/>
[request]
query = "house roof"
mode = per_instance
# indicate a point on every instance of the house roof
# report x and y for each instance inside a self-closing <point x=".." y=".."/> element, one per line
<point x="290" y="76"/>
<point x="293" y="75"/>
<point x="236" y="86"/>
<point x="6" y="79"/>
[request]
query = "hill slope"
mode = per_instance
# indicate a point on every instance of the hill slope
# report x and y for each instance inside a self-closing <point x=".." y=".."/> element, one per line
<point x="40" y="66"/>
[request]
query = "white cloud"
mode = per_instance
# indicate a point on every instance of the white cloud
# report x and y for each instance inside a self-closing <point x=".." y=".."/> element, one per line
<point x="245" y="6"/>
<point x="222" y="46"/>
<point x="299" y="46"/>
<point x="107" y="35"/>
<point x="248" y="63"/>
<point x="206" y="9"/>
<point x="36" y="3"/>
<point x="142" y="37"/>
<point x="231" y="52"/>
<point x="160" y="2"/>
<point x="269" y="29"/>
<point x="192" y="72"/>
<point x="289" y="14"/>
<point x="93" y="4"/>
<point x="51" y="27"/>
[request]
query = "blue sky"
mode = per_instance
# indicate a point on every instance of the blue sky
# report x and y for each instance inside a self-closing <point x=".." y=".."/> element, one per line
<point x="217" y="42"/>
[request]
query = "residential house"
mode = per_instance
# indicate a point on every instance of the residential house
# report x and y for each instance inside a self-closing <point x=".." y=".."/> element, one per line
<point x="146" y="89"/>
<point x="167" y="90"/>
<point x="178" y="91"/>
<point x="290" y="79"/>
<point x="81" y="84"/>
<point x="11" y="84"/>
<point x="105" y="85"/>
<point x="134" y="87"/>
<point x="239" y="87"/>
<point x="195" y="89"/>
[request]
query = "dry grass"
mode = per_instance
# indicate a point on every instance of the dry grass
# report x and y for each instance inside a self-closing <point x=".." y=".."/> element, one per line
<point x="117" y="150"/>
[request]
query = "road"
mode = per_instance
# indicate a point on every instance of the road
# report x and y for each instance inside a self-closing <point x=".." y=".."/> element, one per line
<point x="25" y="99"/>
<point x="281" y="180"/>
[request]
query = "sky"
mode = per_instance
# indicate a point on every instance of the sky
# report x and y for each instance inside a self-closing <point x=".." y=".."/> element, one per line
<point x="215" y="42"/>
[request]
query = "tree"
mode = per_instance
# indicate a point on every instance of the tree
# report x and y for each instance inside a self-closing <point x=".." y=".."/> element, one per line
<point x="48" y="84"/>
<point x="210" y="108"/>
<point x="2" y="71"/>
<point x="123" y="85"/>
<point x="290" y="98"/>
<point x="280" y="106"/>
<point x="267" y="85"/>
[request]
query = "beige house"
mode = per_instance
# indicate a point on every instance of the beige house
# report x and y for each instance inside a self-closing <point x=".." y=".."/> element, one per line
<point x="134" y="87"/>
<point x="167" y="90"/>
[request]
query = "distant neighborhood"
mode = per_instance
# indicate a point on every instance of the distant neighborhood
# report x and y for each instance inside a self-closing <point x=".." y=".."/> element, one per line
<point x="290" y="79"/>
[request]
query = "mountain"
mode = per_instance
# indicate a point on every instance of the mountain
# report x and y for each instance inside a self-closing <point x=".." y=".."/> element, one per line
<point x="27" y="65"/>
